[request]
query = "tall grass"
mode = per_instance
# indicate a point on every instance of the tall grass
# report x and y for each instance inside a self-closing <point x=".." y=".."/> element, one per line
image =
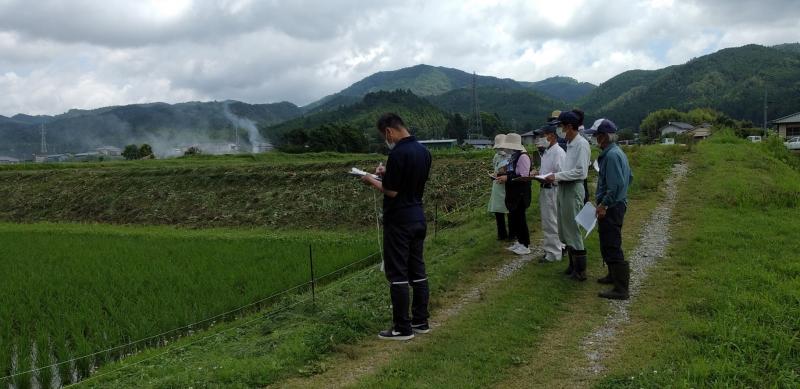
<point x="725" y="310"/>
<point x="72" y="290"/>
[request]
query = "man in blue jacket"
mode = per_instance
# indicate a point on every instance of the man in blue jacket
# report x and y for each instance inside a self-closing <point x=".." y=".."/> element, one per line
<point x="612" y="202"/>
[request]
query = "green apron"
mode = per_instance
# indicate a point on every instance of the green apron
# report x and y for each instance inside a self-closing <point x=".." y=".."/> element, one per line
<point x="570" y="202"/>
<point x="497" y="202"/>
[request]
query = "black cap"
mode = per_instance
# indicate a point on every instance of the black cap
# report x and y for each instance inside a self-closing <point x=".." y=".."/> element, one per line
<point x="548" y="129"/>
<point x="568" y="117"/>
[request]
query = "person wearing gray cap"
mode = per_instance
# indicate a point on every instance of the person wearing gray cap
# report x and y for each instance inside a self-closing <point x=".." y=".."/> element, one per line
<point x="569" y="179"/>
<point x="552" y="158"/>
<point x="612" y="203"/>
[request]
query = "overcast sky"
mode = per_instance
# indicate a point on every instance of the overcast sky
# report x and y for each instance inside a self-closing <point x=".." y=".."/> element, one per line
<point x="57" y="55"/>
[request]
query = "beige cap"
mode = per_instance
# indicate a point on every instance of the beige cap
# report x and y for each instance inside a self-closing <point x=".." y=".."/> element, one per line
<point x="499" y="139"/>
<point x="513" y="142"/>
<point x="555" y="114"/>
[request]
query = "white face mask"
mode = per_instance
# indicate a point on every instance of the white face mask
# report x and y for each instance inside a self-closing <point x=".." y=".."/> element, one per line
<point x="543" y="142"/>
<point x="560" y="132"/>
<point x="390" y="145"/>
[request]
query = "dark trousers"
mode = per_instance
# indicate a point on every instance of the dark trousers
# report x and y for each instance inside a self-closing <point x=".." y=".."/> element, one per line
<point x="500" y="218"/>
<point x="610" y="229"/>
<point x="519" y="223"/>
<point x="404" y="265"/>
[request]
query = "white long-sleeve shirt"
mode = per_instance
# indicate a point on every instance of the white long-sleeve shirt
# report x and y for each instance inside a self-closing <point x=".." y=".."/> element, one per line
<point x="576" y="162"/>
<point x="552" y="159"/>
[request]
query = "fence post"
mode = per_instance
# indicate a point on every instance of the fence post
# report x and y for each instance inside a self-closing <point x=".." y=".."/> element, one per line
<point x="435" y="217"/>
<point x="313" y="281"/>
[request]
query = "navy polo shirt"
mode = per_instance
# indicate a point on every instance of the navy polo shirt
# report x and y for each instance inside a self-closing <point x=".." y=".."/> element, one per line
<point x="407" y="171"/>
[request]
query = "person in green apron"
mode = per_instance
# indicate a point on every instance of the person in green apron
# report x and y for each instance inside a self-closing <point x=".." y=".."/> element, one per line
<point x="571" y="194"/>
<point x="497" y="202"/>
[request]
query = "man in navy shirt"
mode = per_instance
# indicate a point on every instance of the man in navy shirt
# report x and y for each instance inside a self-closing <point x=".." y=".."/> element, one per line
<point x="403" y="184"/>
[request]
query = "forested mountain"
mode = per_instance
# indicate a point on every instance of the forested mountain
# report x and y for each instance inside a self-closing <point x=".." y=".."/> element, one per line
<point x="163" y="125"/>
<point x="422" y="80"/>
<point x="420" y="115"/>
<point x="561" y="88"/>
<point x="732" y="81"/>
<point x="519" y="108"/>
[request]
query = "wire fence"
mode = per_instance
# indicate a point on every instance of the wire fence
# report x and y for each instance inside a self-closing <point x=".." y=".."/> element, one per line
<point x="129" y="348"/>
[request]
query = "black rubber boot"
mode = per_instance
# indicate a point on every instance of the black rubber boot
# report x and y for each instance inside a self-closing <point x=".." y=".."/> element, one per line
<point x="621" y="273"/>
<point x="607" y="280"/>
<point x="570" y="268"/>
<point x="579" y="271"/>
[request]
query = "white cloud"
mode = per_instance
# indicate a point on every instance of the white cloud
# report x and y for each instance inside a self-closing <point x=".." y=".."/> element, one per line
<point x="58" y="55"/>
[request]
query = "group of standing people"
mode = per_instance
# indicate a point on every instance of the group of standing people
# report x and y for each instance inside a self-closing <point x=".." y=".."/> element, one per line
<point x="562" y="177"/>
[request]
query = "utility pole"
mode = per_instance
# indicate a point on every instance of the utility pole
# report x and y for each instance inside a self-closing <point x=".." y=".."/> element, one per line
<point x="476" y="113"/>
<point x="765" y="111"/>
<point x="43" y="148"/>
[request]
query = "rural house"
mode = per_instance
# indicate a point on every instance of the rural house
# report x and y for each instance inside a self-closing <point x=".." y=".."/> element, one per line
<point x="439" y="143"/>
<point x="675" y="128"/>
<point x="788" y="126"/>
<point x="8" y="160"/>
<point x="528" y="138"/>
<point x="479" y="144"/>
<point x="702" y="131"/>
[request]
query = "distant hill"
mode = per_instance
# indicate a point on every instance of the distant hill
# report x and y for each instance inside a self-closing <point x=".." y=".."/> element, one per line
<point x="562" y="88"/>
<point x="164" y="126"/>
<point x="789" y="47"/>
<point x="426" y="80"/>
<point x="419" y="114"/>
<point x="731" y="81"/>
<point x="523" y="106"/>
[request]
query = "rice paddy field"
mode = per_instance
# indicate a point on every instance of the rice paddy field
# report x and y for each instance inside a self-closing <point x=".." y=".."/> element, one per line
<point x="71" y="290"/>
<point x="104" y="259"/>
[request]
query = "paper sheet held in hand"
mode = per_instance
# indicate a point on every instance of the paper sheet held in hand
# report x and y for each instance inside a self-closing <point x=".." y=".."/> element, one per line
<point x="360" y="173"/>
<point x="587" y="218"/>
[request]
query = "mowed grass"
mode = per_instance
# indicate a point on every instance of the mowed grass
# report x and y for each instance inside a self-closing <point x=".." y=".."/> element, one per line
<point x="475" y="350"/>
<point x="72" y="290"/>
<point x="279" y="192"/>
<point x="724" y="309"/>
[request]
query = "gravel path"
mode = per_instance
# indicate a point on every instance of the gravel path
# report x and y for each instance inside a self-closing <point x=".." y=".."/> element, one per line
<point x="474" y="294"/>
<point x="653" y="241"/>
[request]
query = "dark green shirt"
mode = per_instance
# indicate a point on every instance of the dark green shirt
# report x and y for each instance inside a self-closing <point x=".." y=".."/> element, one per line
<point x="615" y="177"/>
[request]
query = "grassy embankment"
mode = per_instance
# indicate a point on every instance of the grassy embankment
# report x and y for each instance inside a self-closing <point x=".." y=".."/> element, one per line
<point x="503" y="333"/>
<point x="74" y="289"/>
<point x="275" y="191"/>
<point x="295" y="343"/>
<point x="724" y="309"/>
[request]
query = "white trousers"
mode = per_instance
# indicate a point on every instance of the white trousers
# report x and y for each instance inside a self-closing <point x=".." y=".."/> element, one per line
<point x="548" y="204"/>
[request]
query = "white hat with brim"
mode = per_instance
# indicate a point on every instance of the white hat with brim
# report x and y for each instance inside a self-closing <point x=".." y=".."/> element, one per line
<point x="513" y="142"/>
<point x="499" y="139"/>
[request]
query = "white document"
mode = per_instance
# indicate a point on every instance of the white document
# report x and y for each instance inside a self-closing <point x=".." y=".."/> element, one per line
<point x="587" y="218"/>
<point x="596" y="166"/>
<point x="360" y="173"/>
<point x="543" y="177"/>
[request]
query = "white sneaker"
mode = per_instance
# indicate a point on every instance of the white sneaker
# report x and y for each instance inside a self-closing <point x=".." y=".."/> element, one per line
<point x="513" y="246"/>
<point x="522" y="250"/>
